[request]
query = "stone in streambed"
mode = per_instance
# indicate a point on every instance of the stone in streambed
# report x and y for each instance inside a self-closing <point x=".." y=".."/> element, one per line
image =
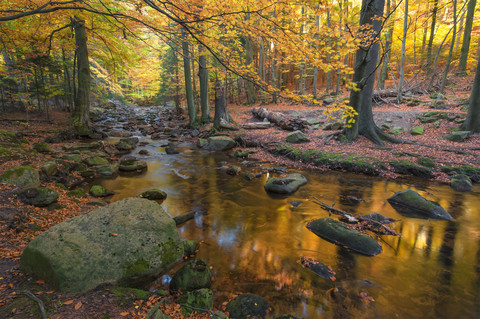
<point x="218" y="143"/>
<point x="100" y="191"/>
<point x="338" y="233"/>
<point x="38" y="196"/>
<point x="248" y="306"/>
<point x="195" y="274"/>
<point x="153" y="194"/>
<point x="131" y="164"/>
<point x="128" y="243"/>
<point x="285" y="185"/>
<point x="461" y="183"/>
<point x="191" y="301"/>
<point x="95" y="161"/>
<point x="412" y="204"/>
<point x="21" y="176"/>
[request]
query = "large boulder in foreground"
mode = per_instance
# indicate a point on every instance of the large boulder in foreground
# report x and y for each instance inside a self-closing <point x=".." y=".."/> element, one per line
<point x="21" y="176"/>
<point x="128" y="243"/>
<point x="285" y="185"/>
<point x="412" y="204"/>
<point x="338" y="233"/>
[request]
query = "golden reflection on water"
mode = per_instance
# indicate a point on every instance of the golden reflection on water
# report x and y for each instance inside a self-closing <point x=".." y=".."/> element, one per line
<point x="254" y="242"/>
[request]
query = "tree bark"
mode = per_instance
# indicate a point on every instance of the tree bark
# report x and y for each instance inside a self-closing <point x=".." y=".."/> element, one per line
<point x="472" y="122"/>
<point x="188" y="81"/>
<point x="249" y="86"/>
<point x="462" y="65"/>
<point x="203" y="75"/>
<point x="452" y="46"/>
<point x="432" y="34"/>
<point x="364" y="77"/>
<point x="221" y="113"/>
<point x="402" y="62"/>
<point x="80" y="114"/>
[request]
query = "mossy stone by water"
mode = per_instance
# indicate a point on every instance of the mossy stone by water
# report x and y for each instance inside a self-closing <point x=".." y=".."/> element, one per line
<point x="72" y="157"/>
<point x="128" y="243"/>
<point x="412" y="204"/>
<point x="338" y="233"/>
<point x="248" y="306"/>
<point x="21" y="176"/>
<point x="153" y="194"/>
<point x="285" y="185"/>
<point x="192" y="301"/>
<point x="219" y="143"/>
<point x="100" y="191"/>
<point x="95" y="160"/>
<point x="195" y="274"/>
<point x="461" y="183"/>
<point x="106" y="170"/>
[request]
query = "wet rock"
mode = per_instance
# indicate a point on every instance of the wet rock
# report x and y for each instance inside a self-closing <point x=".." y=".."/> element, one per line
<point x="95" y="161"/>
<point x="171" y="149"/>
<point x="458" y="136"/>
<point x="297" y="137"/>
<point x="153" y="194"/>
<point x="21" y="176"/>
<point x="127" y="144"/>
<point x="285" y="185"/>
<point x="85" y="147"/>
<point x="248" y="306"/>
<point x="318" y="268"/>
<point x="218" y="143"/>
<point x="43" y="148"/>
<point x="115" y="133"/>
<point x="106" y="170"/>
<point x="242" y="153"/>
<point x="461" y="183"/>
<point x="296" y="203"/>
<point x="72" y="157"/>
<point x="410" y="203"/>
<point x="379" y="218"/>
<point x="233" y="170"/>
<point x="49" y="168"/>
<point x="195" y="274"/>
<point x="129" y="243"/>
<point x="338" y="233"/>
<point x="100" y="191"/>
<point x="189" y="247"/>
<point x="278" y="170"/>
<point x="38" y="196"/>
<point x="191" y="301"/>
<point x="132" y="165"/>
<point x="143" y="152"/>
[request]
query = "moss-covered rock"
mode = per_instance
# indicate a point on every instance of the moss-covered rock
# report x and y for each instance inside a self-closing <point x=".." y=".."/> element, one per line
<point x="458" y="136"/>
<point x="417" y="130"/>
<point x="95" y="161"/>
<point x="127" y="144"/>
<point x="461" y="183"/>
<point x="410" y="168"/>
<point x="49" y="168"/>
<point x="153" y="194"/>
<point x="99" y="191"/>
<point x="38" y="196"/>
<point x="128" y="243"/>
<point x="472" y="172"/>
<point x="425" y="161"/>
<point x="192" y="301"/>
<point x="106" y="170"/>
<point x="195" y="274"/>
<point x="72" y="157"/>
<point x="297" y="137"/>
<point x="43" y="148"/>
<point x="338" y="233"/>
<point x="285" y="185"/>
<point x="189" y="247"/>
<point x="132" y="165"/>
<point x="219" y="143"/>
<point x="77" y="193"/>
<point x="21" y="176"/>
<point x="412" y="204"/>
<point x="248" y="306"/>
<point x="85" y="147"/>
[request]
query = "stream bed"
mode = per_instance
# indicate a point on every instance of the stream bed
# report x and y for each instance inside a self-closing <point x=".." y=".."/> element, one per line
<point x="254" y="242"/>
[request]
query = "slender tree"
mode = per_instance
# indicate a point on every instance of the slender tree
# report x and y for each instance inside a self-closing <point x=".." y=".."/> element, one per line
<point x="467" y="34"/>
<point x="203" y="75"/>
<point x="80" y="114"/>
<point x="188" y="80"/>
<point x="402" y="61"/>
<point x="432" y="34"/>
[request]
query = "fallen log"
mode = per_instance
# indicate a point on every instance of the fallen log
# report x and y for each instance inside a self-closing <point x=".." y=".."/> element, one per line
<point x="283" y="121"/>
<point x="257" y="126"/>
<point x="185" y="217"/>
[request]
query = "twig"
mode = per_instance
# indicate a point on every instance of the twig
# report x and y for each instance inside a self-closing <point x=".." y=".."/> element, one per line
<point x="37" y="300"/>
<point x="370" y="224"/>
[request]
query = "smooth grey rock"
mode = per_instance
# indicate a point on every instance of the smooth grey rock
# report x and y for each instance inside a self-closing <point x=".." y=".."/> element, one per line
<point x="218" y="143"/>
<point x="297" y="137"/>
<point x="285" y="185"/>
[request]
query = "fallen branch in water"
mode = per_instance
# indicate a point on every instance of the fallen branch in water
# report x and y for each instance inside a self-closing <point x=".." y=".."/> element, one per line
<point x="362" y="222"/>
<point x="185" y="217"/>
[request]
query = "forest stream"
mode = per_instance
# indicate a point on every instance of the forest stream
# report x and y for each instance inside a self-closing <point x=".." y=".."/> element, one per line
<point x="254" y="242"/>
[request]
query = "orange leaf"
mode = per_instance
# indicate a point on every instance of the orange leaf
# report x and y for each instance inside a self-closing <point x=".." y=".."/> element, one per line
<point x="124" y="314"/>
<point x="40" y="282"/>
<point x="68" y="302"/>
<point x="78" y="305"/>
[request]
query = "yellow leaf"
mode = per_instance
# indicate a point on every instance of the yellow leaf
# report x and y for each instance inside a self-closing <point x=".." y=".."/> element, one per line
<point x="124" y="314"/>
<point x="78" y="305"/>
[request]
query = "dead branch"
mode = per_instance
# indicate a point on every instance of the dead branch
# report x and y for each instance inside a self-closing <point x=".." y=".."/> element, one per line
<point x="283" y="121"/>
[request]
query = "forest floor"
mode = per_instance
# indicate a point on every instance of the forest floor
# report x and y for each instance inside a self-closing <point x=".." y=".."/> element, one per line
<point x="19" y="223"/>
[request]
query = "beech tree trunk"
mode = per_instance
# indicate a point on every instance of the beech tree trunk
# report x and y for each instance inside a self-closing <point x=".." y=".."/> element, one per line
<point x="188" y="81"/>
<point x="462" y="65"/>
<point x="452" y="46"/>
<point x="203" y="75"/>
<point x="221" y="113"/>
<point x="432" y="34"/>
<point x="80" y="114"/>
<point x="249" y="86"/>
<point x="402" y="62"/>
<point x="472" y="122"/>
<point x="364" y="77"/>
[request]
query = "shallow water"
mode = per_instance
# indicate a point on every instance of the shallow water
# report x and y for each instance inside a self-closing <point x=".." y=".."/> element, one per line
<point x="254" y="241"/>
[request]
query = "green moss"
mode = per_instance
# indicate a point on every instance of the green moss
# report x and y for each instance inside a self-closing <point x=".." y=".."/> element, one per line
<point x="78" y="193"/>
<point x="425" y="161"/>
<point x="7" y="133"/>
<point x="60" y="185"/>
<point x="410" y="168"/>
<point x="4" y="151"/>
<point x="170" y="252"/>
<point x="139" y="267"/>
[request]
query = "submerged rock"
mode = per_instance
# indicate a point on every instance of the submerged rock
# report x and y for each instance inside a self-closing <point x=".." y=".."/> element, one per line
<point x="285" y="185"/>
<point x="38" y="196"/>
<point x="248" y="306"/>
<point x="218" y="143"/>
<point x="412" y="204"/>
<point x="195" y="274"/>
<point x="338" y="233"/>
<point x="318" y="267"/>
<point x="153" y="194"/>
<point x="129" y="243"/>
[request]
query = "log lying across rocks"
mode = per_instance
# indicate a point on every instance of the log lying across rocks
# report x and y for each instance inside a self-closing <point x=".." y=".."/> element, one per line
<point x="283" y="121"/>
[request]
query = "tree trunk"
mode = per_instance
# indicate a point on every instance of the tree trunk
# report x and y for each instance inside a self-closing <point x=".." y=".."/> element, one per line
<point x="220" y="105"/>
<point x="452" y="46"/>
<point x="364" y="77"/>
<point x="82" y="97"/>
<point x="402" y="62"/>
<point x="432" y="34"/>
<point x="472" y="122"/>
<point x="188" y="81"/>
<point x="462" y="65"/>
<point x="203" y="75"/>
<point x="329" y="73"/>
<point x="249" y="86"/>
